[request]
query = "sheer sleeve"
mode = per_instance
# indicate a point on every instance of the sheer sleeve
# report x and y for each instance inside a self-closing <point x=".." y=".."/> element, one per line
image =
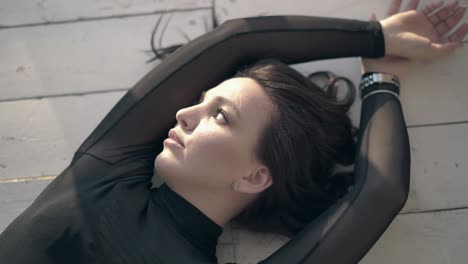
<point x="136" y="126"/>
<point x="348" y="229"/>
<point x="139" y="122"/>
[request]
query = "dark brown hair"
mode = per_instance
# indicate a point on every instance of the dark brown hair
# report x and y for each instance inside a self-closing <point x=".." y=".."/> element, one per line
<point x="308" y="134"/>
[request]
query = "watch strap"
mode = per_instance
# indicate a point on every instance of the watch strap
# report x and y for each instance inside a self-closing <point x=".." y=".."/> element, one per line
<point x="370" y="78"/>
<point x="372" y="89"/>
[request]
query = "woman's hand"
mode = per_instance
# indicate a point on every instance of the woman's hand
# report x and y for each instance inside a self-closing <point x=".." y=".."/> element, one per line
<point x="413" y="34"/>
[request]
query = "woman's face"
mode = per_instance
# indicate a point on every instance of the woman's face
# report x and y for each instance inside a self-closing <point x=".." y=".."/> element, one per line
<point x="219" y="135"/>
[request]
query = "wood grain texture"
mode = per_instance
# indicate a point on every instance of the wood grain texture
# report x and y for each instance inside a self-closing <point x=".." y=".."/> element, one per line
<point x="88" y="56"/>
<point x="16" y="197"/>
<point x="39" y="137"/>
<point x="21" y="12"/>
<point x="225" y="253"/>
<point x="352" y="9"/>
<point x="435" y="237"/>
<point x="439" y="165"/>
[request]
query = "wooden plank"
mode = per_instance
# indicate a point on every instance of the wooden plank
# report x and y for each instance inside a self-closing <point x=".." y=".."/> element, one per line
<point x="225" y="253"/>
<point x="436" y="92"/>
<point x="229" y="9"/>
<point x="439" y="164"/>
<point x="16" y="197"/>
<point x="56" y="126"/>
<point x="88" y="56"/>
<point x="252" y="247"/>
<point x="352" y="9"/>
<point x="226" y="236"/>
<point x="436" y="237"/>
<point x="20" y="12"/>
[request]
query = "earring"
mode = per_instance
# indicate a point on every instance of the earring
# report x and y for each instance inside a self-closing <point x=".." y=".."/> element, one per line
<point x="235" y="185"/>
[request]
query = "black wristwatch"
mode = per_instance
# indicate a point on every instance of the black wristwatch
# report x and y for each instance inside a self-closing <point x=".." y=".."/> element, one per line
<point x="370" y="78"/>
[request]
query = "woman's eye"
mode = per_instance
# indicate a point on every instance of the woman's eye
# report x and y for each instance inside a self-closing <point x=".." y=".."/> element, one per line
<point x="222" y="112"/>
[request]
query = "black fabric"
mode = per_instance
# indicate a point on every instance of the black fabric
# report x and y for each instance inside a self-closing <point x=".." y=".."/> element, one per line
<point x="102" y="209"/>
<point x="189" y="220"/>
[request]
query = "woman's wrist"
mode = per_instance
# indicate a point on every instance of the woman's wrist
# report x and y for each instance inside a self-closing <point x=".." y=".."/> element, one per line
<point x="375" y="65"/>
<point x="387" y="37"/>
<point x="388" y="64"/>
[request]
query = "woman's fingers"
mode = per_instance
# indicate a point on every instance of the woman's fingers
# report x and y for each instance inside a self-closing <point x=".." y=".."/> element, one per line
<point x="443" y="13"/>
<point x="459" y="34"/>
<point x="428" y="9"/>
<point x="394" y="7"/>
<point x="443" y="49"/>
<point x="445" y="26"/>
<point x="412" y="5"/>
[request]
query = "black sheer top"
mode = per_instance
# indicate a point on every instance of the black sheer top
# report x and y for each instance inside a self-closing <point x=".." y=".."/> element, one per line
<point x="102" y="209"/>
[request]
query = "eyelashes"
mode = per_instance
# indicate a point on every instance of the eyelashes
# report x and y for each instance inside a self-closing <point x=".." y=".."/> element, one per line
<point x="221" y="111"/>
<point x="218" y="110"/>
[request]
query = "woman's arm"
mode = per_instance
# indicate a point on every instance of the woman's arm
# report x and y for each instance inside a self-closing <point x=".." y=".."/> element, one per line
<point x="347" y="230"/>
<point x="138" y="123"/>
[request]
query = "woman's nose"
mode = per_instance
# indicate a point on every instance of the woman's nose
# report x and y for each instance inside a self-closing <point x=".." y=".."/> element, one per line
<point x="186" y="117"/>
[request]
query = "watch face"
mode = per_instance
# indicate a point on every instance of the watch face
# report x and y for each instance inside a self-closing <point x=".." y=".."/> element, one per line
<point x="379" y="78"/>
<point x="366" y="81"/>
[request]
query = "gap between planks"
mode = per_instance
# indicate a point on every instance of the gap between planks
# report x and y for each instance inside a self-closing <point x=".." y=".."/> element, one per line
<point x="83" y="19"/>
<point x="63" y="95"/>
<point x="28" y="179"/>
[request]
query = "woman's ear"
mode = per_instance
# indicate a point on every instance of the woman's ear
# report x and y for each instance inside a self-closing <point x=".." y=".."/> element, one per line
<point x="257" y="182"/>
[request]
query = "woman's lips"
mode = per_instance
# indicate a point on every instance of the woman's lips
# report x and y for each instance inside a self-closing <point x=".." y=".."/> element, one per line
<point x="173" y="135"/>
<point x="173" y="142"/>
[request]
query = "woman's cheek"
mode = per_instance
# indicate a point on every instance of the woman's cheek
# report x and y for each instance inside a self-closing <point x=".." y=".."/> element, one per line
<point x="215" y="152"/>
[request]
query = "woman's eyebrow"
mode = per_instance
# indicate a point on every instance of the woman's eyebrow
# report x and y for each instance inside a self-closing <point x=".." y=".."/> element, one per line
<point x="223" y="100"/>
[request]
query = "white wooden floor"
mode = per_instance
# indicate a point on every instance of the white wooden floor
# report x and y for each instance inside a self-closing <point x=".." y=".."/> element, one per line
<point x="64" y="64"/>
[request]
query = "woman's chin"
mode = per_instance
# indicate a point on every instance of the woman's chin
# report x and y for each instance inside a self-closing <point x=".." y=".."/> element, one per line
<point x="160" y="160"/>
<point x="165" y="163"/>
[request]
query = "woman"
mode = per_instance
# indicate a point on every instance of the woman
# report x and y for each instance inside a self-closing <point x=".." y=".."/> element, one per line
<point x="263" y="152"/>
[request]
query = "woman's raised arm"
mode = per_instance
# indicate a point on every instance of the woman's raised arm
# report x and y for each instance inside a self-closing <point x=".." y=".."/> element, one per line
<point x="348" y="229"/>
<point x="139" y="122"/>
<point x="137" y="125"/>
